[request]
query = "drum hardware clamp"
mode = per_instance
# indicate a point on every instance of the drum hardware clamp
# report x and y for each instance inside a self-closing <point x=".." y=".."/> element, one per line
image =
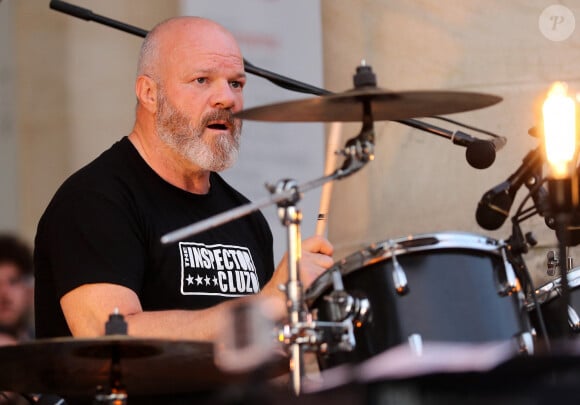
<point x="553" y="263"/>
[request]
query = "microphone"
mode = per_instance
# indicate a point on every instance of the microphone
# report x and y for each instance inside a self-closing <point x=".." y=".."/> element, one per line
<point x="480" y="153"/>
<point x="493" y="208"/>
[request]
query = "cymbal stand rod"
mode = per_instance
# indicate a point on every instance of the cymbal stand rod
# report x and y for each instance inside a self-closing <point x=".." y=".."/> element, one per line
<point x="115" y="393"/>
<point x="357" y="154"/>
<point x="358" y="151"/>
<point x="367" y="133"/>
<point x="291" y="218"/>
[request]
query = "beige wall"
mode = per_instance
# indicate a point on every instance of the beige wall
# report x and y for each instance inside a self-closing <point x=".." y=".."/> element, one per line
<point x="419" y="182"/>
<point x="62" y="116"/>
<point x="56" y="116"/>
<point x="73" y="85"/>
<point x="8" y="137"/>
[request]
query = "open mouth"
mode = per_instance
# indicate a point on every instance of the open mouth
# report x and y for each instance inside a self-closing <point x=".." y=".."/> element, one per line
<point x="218" y="126"/>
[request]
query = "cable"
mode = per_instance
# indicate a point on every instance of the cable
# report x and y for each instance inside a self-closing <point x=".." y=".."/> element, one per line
<point x="516" y="220"/>
<point x="482" y="131"/>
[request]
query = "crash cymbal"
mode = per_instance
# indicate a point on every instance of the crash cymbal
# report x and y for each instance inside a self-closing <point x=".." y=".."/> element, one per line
<point x="385" y="105"/>
<point x="72" y="366"/>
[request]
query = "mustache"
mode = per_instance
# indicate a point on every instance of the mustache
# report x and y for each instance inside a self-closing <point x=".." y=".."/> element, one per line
<point x="220" y="115"/>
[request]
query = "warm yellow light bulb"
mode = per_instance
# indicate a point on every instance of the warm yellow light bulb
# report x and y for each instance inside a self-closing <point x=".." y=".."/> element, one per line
<point x="559" y="112"/>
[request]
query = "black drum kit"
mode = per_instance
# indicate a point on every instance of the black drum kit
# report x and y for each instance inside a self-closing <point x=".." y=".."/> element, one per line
<point x="440" y="304"/>
<point x="430" y="318"/>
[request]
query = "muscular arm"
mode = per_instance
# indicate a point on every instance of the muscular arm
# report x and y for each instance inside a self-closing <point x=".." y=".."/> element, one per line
<point x="87" y="307"/>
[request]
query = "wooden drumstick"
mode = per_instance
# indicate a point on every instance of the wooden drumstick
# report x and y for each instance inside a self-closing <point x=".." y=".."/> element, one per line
<point x="311" y="367"/>
<point x="332" y="145"/>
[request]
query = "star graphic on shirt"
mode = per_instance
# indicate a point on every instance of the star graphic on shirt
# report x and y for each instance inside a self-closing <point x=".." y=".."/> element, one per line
<point x="207" y="280"/>
<point x="199" y="279"/>
<point x="189" y="280"/>
<point x="215" y="280"/>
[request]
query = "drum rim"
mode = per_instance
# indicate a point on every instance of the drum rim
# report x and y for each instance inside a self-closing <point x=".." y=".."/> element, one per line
<point x="383" y="250"/>
<point x="553" y="289"/>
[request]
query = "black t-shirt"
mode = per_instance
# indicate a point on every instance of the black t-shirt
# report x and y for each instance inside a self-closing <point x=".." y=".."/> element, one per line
<point x="105" y="223"/>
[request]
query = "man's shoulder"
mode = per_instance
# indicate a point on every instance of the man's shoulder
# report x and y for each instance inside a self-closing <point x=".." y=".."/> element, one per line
<point x="106" y="175"/>
<point x="102" y="186"/>
<point x="111" y="163"/>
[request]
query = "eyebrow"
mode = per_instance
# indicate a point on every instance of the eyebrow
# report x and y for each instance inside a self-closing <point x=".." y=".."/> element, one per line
<point x="239" y="75"/>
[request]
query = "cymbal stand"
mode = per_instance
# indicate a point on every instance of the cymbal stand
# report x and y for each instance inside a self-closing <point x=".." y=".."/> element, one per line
<point x="291" y="218"/>
<point x="302" y="333"/>
<point x="115" y="393"/>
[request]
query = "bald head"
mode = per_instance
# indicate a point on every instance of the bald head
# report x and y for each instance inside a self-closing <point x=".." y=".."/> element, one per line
<point x="166" y="40"/>
<point x="189" y="85"/>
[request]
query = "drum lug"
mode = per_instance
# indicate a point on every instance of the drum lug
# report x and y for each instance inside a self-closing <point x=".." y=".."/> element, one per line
<point x="573" y="320"/>
<point x="363" y="311"/>
<point x="399" y="276"/>
<point x="525" y="343"/>
<point x="510" y="285"/>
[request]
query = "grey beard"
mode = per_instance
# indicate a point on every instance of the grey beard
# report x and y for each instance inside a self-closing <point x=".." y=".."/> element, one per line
<point x="176" y="131"/>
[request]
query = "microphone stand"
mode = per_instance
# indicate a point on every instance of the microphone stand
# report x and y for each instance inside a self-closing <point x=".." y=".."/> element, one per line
<point x="518" y="246"/>
<point x="563" y="195"/>
<point x="558" y="211"/>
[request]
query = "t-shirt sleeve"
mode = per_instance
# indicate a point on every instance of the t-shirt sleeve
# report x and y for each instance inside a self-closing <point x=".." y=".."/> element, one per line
<point x="90" y="238"/>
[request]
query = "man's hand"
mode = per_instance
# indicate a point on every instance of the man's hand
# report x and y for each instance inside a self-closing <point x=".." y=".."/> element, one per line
<point x="316" y="258"/>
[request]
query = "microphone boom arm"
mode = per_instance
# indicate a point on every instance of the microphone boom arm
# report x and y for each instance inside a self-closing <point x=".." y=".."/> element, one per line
<point x="279" y="80"/>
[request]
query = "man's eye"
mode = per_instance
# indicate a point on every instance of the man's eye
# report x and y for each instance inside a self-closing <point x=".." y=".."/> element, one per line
<point x="201" y="80"/>
<point x="237" y="85"/>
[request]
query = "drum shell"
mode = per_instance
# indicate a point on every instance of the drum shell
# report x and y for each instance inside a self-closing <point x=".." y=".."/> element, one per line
<point x="453" y="296"/>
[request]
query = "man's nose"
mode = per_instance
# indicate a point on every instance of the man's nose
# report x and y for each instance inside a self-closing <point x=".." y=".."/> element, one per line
<point x="223" y="96"/>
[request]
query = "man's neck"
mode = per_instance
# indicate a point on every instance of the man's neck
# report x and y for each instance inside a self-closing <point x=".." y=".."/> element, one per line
<point x="168" y="164"/>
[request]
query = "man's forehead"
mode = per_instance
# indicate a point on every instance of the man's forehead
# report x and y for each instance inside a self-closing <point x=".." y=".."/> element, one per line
<point x="190" y="59"/>
<point x="217" y="45"/>
<point x="192" y="45"/>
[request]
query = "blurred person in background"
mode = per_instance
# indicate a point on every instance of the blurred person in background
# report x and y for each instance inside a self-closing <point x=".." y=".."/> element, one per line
<point x="16" y="299"/>
<point x="16" y="289"/>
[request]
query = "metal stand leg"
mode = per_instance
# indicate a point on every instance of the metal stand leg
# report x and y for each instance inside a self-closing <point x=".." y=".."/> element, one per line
<point x="291" y="217"/>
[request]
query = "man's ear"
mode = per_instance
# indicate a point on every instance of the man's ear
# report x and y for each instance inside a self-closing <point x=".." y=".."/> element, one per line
<point x="146" y="91"/>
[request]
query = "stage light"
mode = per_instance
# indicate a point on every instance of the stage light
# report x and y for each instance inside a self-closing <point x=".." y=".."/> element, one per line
<point x="559" y="116"/>
<point x="559" y="113"/>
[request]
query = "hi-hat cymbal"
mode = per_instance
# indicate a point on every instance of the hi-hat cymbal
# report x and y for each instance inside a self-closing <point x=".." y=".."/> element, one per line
<point x="76" y="367"/>
<point x="385" y="105"/>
